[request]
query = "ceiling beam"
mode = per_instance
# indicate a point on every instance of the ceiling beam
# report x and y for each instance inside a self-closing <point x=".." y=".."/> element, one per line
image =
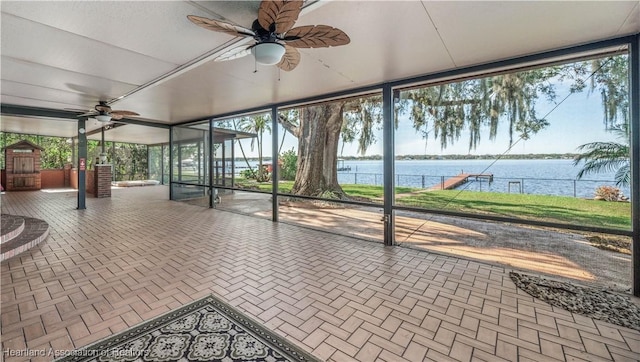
<point x="111" y="126"/>
<point x="143" y="123"/>
<point x="25" y="111"/>
<point x="15" y="110"/>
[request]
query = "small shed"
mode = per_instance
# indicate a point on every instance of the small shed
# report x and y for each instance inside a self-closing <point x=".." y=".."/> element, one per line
<point x="22" y="166"/>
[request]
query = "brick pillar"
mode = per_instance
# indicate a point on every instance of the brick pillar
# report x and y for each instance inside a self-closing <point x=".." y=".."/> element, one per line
<point x="102" y="181"/>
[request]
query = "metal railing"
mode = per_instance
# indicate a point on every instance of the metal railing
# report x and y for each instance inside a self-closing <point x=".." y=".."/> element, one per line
<point x="524" y="185"/>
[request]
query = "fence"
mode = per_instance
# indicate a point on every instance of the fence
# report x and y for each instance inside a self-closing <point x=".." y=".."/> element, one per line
<point x="584" y="188"/>
<point x="540" y="186"/>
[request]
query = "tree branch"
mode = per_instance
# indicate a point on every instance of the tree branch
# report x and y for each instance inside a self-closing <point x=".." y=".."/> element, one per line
<point x="289" y="126"/>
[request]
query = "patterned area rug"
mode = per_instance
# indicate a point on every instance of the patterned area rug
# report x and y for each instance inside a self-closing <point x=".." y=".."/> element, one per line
<point x="205" y="330"/>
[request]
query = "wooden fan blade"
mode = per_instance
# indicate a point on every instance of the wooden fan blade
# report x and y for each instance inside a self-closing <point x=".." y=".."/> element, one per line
<point x="120" y="114"/>
<point x="279" y="16"/>
<point x="102" y="108"/>
<point x="290" y="59"/>
<point x="220" y="26"/>
<point x="316" y="36"/>
<point x="235" y="53"/>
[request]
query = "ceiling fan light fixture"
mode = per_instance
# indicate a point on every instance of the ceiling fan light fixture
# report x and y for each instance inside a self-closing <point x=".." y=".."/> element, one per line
<point x="103" y="118"/>
<point x="268" y="53"/>
<point x="276" y="38"/>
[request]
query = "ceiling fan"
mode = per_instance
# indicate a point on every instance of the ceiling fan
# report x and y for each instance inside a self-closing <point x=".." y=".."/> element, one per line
<point x="276" y="39"/>
<point x="103" y="113"/>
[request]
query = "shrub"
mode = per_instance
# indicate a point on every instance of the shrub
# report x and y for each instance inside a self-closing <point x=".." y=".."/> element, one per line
<point x="608" y="193"/>
<point x="289" y="165"/>
<point x="260" y="175"/>
<point x="248" y="174"/>
<point x="263" y="174"/>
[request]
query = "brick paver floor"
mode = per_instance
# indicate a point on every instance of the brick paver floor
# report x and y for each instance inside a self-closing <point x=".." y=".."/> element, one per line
<point x="137" y="255"/>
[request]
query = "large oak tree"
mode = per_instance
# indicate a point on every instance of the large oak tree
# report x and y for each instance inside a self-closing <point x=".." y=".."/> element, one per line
<point x="442" y="112"/>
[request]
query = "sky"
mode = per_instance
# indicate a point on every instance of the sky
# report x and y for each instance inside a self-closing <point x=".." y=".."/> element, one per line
<point x="576" y="121"/>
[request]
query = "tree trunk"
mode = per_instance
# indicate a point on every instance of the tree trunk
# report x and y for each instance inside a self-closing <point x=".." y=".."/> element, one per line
<point x="318" y="136"/>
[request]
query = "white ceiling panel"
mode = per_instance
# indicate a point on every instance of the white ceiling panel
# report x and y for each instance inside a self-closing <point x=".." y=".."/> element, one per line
<point x="480" y="32"/>
<point x="32" y="102"/>
<point x="149" y="24"/>
<point x="46" y="94"/>
<point x="39" y="126"/>
<point x="228" y="86"/>
<point x="239" y="12"/>
<point x="93" y="88"/>
<point x="233" y="85"/>
<point x="37" y="43"/>
<point x="389" y="40"/>
<point x="134" y="134"/>
<point x="632" y="24"/>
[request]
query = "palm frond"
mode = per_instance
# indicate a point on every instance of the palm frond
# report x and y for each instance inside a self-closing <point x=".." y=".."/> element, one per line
<point x="605" y="157"/>
<point x="623" y="175"/>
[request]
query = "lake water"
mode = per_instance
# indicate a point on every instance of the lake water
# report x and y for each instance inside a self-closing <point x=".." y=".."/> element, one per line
<point x="548" y="177"/>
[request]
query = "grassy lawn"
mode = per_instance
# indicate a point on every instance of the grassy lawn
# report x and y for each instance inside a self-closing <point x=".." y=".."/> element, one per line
<point x="360" y="191"/>
<point x="616" y="215"/>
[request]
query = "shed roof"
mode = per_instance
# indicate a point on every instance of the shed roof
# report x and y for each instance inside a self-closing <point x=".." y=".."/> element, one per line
<point x="24" y="145"/>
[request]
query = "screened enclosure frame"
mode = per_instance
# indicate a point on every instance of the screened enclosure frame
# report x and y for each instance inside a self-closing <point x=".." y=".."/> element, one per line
<point x="164" y="174"/>
<point x="389" y="92"/>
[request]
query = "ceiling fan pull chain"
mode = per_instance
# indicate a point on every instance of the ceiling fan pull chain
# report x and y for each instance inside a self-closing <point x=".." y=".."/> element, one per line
<point x="279" y="72"/>
<point x="255" y="65"/>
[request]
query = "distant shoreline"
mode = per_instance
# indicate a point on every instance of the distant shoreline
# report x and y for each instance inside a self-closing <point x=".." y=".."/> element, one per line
<point x="529" y="156"/>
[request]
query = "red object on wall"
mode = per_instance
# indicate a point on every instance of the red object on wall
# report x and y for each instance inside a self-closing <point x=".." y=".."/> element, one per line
<point x="83" y="164"/>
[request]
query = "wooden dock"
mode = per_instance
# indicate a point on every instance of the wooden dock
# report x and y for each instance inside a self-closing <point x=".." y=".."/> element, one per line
<point x="455" y="181"/>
